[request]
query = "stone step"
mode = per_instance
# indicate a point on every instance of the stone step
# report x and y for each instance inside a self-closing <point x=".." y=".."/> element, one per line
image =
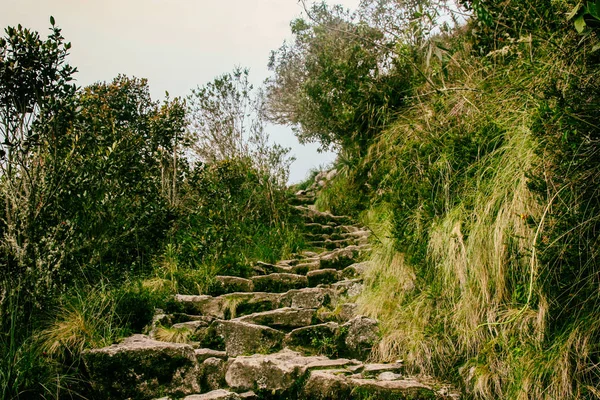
<point x="331" y="228"/>
<point x="321" y="217"/>
<point x="277" y="374"/>
<point x="302" y="200"/>
<point x="323" y="277"/>
<point x="333" y="385"/>
<point x="279" y="282"/>
<point x="139" y="367"/>
<point x="237" y="338"/>
<point x="230" y="284"/>
<point x="286" y="318"/>
<point x="354" y="338"/>
<point x="229" y="305"/>
<point x="336" y="244"/>
<point x="238" y="304"/>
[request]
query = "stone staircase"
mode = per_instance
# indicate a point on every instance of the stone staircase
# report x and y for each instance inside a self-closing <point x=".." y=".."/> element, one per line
<point x="290" y="331"/>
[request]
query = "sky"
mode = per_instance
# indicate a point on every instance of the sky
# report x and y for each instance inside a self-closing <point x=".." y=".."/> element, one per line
<point x="175" y="44"/>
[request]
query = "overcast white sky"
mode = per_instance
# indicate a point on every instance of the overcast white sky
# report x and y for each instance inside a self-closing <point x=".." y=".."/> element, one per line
<point x="176" y="44"/>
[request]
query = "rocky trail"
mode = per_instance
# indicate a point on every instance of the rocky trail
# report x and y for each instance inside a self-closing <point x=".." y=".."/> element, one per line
<point x="290" y="331"/>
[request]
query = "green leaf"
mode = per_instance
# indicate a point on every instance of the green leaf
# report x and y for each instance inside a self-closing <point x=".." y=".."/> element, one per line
<point x="596" y="47"/>
<point x="580" y="24"/>
<point x="52" y="22"/>
<point x="574" y="11"/>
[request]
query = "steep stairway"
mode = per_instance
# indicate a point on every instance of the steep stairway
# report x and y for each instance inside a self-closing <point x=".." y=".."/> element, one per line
<point x="290" y="331"/>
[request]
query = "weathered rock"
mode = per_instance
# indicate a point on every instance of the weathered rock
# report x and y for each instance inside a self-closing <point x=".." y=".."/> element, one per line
<point x="244" y="338"/>
<point x="276" y="373"/>
<point x="361" y="333"/>
<point x="346" y="311"/>
<point x="229" y="305"/>
<point x="340" y="258"/>
<point x="349" y="287"/>
<point x="230" y="284"/>
<point x="327" y="385"/>
<point x="139" y="367"/>
<point x="247" y="303"/>
<point x="282" y="318"/>
<point x="355" y="270"/>
<point x="203" y="354"/>
<point x="202" y="304"/>
<point x="372" y="370"/>
<point x="313" y="336"/>
<point x="306" y="266"/>
<point x="212" y="373"/>
<point x="322" y="276"/>
<point x="279" y="282"/>
<point x="403" y="388"/>
<point x="263" y="268"/>
<point x="324" y="385"/>
<point x="219" y="394"/>
<point x="330" y="364"/>
<point x="307" y="298"/>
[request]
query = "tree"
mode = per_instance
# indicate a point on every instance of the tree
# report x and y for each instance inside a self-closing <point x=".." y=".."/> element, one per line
<point x="338" y="82"/>
<point x="226" y="122"/>
<point x="36" y="114"/>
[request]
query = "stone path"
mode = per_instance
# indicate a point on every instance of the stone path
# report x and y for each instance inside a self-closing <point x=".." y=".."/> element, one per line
<point x="289" y="332"/>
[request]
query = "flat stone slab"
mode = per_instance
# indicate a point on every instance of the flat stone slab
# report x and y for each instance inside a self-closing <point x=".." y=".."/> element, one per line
<point x="308" y="298"/>
<point x="340" y="258"/>
<point x="305" y="267"/>
<point x="230" y="284"/>
<point x="327" y="385"/>
<point x="203" y="354"/>
<point x="139" y="366"/>
<point x="372" y="370"/>
<point x="276" y="372"/>
<point x="322" y="277"/>
<point x="229" y="305"/>
<point x="311" y="336"/>
<point x="219" y="394"/>
<point x="282" y="318"/>
<point x="244" y="338"/>
<point x="279" y="282"/>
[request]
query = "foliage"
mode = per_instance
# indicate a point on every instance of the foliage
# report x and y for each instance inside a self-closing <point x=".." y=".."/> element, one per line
<point x="215" y="233"/>
<point x="226" y="122"/>
<point x="483" y="202"/>
<point x="338" y="82"/>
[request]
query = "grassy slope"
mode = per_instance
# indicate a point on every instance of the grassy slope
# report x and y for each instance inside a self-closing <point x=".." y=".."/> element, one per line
<point x="457" y="278"/>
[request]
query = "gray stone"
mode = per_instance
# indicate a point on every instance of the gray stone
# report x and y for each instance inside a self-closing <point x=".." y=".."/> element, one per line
<point x="307" y="298"/>
<point x="229" y="305"/>
<point x="282" y="318"/>
<point x="322" y="276"/>
<point x="245" y="338"/>
<point x="389" y="376"/>
<point x="279" y="282"/>
<point x="305" y="267"/>
<point x="212" y="373"/>
<point x="361" y="333"/>
<point x="325" y="385"/>
<point x="203" y="354"/>
<point x="340" y="258"/>
<point x="276" y="373"/>
<point x="349" y="287"/>
<point x="407" y="388"/>
<point x="202" y="304"/>
<point x="219" y="394"/>
<point x="230" y="284"/>
<point x="313" y="336"/>
<point x="139" y="367"/>
<point x="372" y="370"/>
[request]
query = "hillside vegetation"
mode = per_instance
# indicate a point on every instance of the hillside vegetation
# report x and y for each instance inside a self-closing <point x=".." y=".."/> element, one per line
<point x="468" y="142"/>
<point x="471" y="151"/>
